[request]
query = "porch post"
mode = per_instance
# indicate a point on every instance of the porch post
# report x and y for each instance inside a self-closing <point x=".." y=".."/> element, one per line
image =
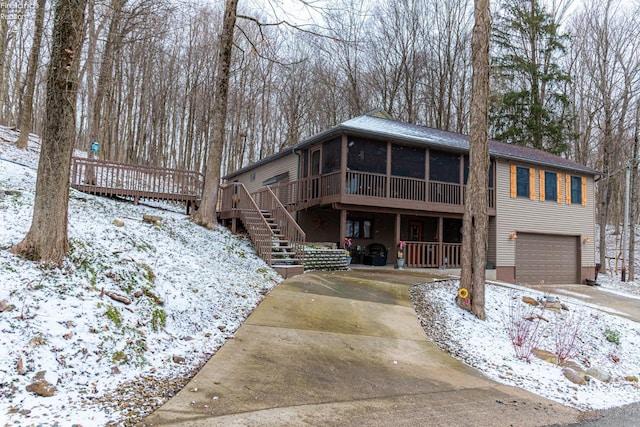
<point x="387" y="181"/>
<point x="396" y="236"/>
<point x="344" y="152"/>
<point x="343" y="226"/>
<point x="440" y="237"/>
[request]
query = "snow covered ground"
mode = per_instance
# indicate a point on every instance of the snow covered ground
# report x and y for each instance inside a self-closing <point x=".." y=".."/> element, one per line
<point x="191" y="288"/>
<point x="601" y="345"/>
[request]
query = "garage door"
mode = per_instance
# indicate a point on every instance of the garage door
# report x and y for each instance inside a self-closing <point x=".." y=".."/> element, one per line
<point x="554" y="259"/>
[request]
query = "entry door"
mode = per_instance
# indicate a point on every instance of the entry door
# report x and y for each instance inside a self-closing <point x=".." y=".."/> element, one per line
<point x="315" y="174"/>
<point x="415" y="231"/>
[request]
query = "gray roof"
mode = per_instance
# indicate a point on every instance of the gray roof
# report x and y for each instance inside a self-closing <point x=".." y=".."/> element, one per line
<point x="369" y="126"/>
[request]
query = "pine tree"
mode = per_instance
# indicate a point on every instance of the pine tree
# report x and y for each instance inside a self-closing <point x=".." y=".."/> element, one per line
<point x="528" y="103"/>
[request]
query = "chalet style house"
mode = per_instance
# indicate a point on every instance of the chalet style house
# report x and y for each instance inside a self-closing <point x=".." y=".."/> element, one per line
<point x="376" y="182"/>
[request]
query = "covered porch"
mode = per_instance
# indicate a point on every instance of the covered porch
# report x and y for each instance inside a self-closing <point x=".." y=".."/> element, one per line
<point x="433" y="240"/>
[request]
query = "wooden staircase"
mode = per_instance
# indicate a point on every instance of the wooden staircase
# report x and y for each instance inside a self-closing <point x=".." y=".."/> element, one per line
<point x="283" y="253"/>
<point x="278" y="239"/>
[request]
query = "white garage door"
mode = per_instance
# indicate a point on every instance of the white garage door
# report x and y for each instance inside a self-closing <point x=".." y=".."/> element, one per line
<point x="552" y="258"/>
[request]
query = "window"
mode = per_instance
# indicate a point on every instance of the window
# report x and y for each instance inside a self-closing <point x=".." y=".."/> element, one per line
<point x="523" y="188"/>
<point x="551" y="186"/>
<point x="407" y="161"/>
<point x="331" y="155"/>
<point x="466" y="171"/>
<point x="359" y="228"/>
<point x="576" y="190"/>
<point x="367" y="156"/>
<point x="444" y="166"/>
<point x="252" y="177"/>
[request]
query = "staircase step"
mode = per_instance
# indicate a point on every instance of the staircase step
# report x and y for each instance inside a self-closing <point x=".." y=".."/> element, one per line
<point x="289" y="261"/>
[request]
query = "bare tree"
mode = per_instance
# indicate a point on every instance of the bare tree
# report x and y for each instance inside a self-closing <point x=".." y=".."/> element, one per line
<point x="4" y="29"/>
<point x="206" y="213"/>
<point x="608" y="44"/>
<point x="24" y="118"/>
<point x="47" y="238"/>
<point x="446" y="85"/>
<point x="635" y="163"/>
<point x="475" y="220"/>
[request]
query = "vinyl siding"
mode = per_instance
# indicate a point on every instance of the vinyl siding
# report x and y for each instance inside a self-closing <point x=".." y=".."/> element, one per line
<point x="288" y="163"/>
<point x="522" y="214"/>
<point x="491" y="250"/>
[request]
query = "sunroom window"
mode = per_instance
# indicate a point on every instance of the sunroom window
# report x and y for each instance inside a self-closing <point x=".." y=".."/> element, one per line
<point x="367" y="156"/>
<point x="408" y="161"/>
<point x="444" y="166"/>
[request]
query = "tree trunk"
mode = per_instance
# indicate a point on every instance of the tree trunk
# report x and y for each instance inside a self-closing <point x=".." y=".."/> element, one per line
<point x="475" y="221"/>
<point x="47" y="238"/>
<point x="206" y="213"/>
<point x="4" y="29"/>
<point x="27" y="101"/>
<point x="634" y="197"/>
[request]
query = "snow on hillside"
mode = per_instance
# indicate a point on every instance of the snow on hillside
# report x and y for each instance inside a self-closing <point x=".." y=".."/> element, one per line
<point x="109" y="362"/>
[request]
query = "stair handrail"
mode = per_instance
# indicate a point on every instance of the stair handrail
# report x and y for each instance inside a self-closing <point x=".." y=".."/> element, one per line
<point x="257" y="226"/>
<point x="288" y="225"/>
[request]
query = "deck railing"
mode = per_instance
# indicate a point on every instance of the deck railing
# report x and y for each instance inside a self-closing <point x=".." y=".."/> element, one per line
<point x="135" y="181"/>
<point x="408" y="189"/>
<point x="366" y="184"/>
<point x="446" y="193"/>
<point x="307" y="191"/>
<point x="266" y="200"/>
<point x="256" y="225"/>
<point x="237" y="202"/>
<point x="433" y="254"/>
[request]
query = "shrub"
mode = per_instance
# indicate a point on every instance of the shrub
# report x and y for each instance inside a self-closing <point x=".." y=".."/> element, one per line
<point x="567" y="335"/>
<point x="524" y="328"/>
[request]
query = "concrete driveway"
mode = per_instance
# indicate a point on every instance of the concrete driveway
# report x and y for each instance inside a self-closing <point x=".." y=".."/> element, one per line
<point x="346" y="349"/>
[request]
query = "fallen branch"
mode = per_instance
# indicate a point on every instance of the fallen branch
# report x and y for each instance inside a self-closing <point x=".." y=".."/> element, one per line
<point x="151" y="219"/>
<point x="116" y="297"/>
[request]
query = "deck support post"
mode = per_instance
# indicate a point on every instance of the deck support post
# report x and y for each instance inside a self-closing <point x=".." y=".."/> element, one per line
<point x="440" y="237"/>
<point x="343" y="226"/>
<point x="396" y="236"/>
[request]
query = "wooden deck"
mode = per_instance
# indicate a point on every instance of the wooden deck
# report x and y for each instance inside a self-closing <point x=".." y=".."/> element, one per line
<point x="374" y="190"/>
<point x="136" y="182"/>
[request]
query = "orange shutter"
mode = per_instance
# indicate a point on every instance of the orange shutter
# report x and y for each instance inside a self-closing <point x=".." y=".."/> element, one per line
<point x="542" y="195"/>
<point x="559" y="188"/>
<point x="584" y="191"/>
<point x="513" y="182"/>
<point x="532" y="184"/>
<point x="568" y="188"/>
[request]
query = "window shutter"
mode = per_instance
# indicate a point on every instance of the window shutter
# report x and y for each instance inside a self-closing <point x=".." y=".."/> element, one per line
<point x="568" y="188"/>
<point x="513" y="182"/>
<point x="532" y="184"/>
<point x="542" y="194"/>
<point x="584" y="191"/>
<point x="559" y="188"/>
